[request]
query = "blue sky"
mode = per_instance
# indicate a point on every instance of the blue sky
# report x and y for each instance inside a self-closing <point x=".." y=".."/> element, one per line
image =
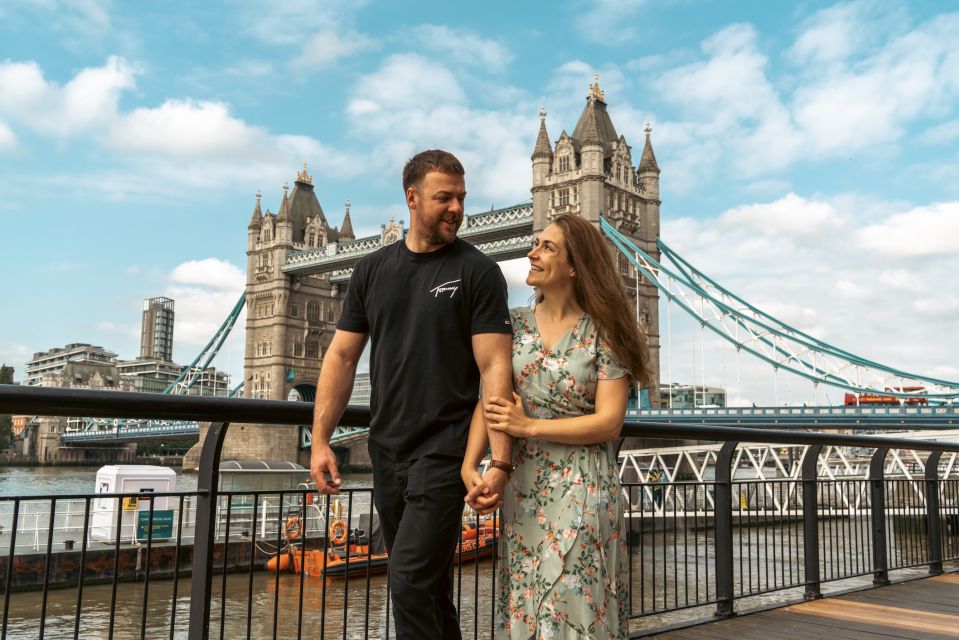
<point x="809" y="153"/>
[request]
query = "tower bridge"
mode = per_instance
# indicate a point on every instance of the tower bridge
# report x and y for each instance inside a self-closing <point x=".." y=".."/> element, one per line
<point x="298" y="266"/>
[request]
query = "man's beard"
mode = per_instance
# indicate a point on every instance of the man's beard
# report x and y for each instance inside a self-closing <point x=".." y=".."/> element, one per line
<point x="436" y="235"/>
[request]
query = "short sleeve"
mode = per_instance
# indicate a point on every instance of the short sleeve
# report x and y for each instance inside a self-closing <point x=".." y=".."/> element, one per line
<point x="489" y="312"/>
<point x="354" y="317"/>
<point x="607" y="364"/>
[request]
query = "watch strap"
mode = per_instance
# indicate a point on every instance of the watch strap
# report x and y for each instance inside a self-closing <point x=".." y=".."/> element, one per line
<point x="503" y="466"/>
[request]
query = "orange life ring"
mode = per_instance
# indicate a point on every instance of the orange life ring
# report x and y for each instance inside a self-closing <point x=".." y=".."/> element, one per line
<point x="294" y="527"/>
<point x="338" y="532"/>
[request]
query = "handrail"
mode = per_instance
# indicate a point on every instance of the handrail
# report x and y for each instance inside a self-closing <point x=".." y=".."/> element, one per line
<point x="54" y="401"/>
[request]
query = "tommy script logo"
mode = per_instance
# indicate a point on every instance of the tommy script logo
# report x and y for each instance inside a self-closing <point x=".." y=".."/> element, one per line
<point x="447" y="287"/>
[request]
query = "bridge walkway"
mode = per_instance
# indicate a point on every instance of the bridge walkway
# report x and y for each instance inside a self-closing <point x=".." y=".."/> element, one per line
<point x="920" y="610"/>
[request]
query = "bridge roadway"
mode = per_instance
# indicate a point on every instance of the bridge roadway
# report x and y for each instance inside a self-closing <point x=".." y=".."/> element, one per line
<point x="919" y="610"/>
<point x="908" y="417"/>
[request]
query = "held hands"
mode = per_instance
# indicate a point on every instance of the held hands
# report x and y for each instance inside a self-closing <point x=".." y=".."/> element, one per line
<point x="483" y="492"/>
<point x="323" y="462"/>
<point x="508" y="417"/>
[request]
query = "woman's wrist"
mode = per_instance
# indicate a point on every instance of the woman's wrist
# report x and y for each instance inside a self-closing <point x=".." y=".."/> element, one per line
<point x="532" y="428"/>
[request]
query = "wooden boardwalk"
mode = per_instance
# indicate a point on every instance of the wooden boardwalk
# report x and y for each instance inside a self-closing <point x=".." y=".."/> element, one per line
<point x="921" y="609"/>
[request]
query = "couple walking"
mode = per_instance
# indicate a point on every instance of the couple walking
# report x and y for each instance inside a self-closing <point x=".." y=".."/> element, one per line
<point x="454" y="373"/>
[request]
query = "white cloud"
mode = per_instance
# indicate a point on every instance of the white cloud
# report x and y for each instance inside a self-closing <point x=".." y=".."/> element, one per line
<point x="464" y="46"/>
<point x="899" y="279"/>
<point x="790" y="215"/>
<point x="413" y="103"/>
<point x="931" y="230"/>
<point x="945" y="133"/>
<point x="608" y="22"/>
<point x="849" y="289"/>
<point x="291" y="22"/>
<point x="836" y="33"/>
<point x="942" y="307"/>
<point x="88" y="100"/>
<point x="205" y="292"/>
<point x="406" y="81"/>
<point x="198" y="143"/>
<point x="733" y="117"/>
<point x="869" y="101"/>
<point x="8" y="140"/>
<point x="210" y="272"/>
<point x="863" y="79"/>
<point x="184" y="128"/>
<point x="15" y="355"/>
<point x="124" y="331"/>
<point x="328" y="46"/>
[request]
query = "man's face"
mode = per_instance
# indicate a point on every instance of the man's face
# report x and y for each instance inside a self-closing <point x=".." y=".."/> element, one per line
<point x="436" y="207"/>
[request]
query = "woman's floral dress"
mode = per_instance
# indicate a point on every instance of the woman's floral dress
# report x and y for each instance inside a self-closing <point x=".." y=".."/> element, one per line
<point x="562" y="557"/>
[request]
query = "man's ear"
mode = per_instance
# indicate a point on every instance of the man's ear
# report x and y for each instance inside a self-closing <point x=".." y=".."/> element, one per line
<point x="411" y="197"/>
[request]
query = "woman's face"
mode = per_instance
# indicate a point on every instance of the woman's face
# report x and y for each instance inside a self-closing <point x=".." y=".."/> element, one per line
<point x="549" y="266"/>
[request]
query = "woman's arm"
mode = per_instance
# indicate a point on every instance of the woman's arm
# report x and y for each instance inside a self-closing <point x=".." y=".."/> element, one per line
<point x="478" y="441"/>
<point x="477" y="493"/>
<point x="602" y="426"/>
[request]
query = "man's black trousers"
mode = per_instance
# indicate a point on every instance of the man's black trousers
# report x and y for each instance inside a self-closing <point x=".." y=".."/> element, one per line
<point x="420" y="504"/>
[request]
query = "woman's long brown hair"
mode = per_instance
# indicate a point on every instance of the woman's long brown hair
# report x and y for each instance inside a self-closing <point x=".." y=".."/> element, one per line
<point x="600" y="292"/>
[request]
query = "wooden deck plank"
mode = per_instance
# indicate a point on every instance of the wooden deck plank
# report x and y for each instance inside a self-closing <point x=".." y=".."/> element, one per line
<point x="926" y="609"/>
<point x="893" y="617"/>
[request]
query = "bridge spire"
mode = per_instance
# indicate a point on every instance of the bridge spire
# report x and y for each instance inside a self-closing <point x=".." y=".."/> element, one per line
<point x="257" y="220"/>
<point x="648" y="161"/>
<point x="284" y="213"/>
<point x="346" y="231"/>
<point x="303" y="177"/>
<point x="543" y="147"/>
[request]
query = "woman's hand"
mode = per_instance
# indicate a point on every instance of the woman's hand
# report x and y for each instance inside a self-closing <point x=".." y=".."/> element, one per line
<point x="478" y="495"/>
<point x="508" y="417"/>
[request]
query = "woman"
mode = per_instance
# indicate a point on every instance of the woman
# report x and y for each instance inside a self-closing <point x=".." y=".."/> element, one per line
<point x="563" y="556"/>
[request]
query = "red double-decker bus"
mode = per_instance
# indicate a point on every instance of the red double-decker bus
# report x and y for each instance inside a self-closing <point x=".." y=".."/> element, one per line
<point x="873" y="399"/>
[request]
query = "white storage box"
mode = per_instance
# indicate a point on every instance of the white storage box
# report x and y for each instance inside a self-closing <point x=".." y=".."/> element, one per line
<point x="141" y="481"/>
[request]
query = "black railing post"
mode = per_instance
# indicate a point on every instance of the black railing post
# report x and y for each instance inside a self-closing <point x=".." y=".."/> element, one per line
<point x="933" y="519"/>
<point x="877" y="488"/>
<point x="725" y="581"/>
<point x="810" y="521"/>
<point x="201" y="582"/>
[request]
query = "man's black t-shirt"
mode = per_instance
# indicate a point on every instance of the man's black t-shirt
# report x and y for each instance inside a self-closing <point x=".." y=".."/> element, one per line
<point x="421" y="311"/>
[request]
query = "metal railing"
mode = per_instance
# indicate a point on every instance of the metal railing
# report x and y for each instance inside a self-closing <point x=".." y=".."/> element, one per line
<point x="691" y="544"/>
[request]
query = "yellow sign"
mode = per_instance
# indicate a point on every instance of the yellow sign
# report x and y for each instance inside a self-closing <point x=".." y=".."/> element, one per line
<point x="130" y="504"/>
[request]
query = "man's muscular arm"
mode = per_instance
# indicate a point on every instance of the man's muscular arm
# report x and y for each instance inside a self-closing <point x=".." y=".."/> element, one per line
<point x="332" y="393"/>
<point x="493" y="354"/>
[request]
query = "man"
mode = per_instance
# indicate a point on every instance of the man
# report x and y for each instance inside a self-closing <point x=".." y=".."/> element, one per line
<point x="435" y="309"/>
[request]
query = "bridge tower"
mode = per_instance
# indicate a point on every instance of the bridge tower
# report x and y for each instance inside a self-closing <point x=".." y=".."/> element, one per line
<point x="290" y="318"/>
<point x="591" y="174"/>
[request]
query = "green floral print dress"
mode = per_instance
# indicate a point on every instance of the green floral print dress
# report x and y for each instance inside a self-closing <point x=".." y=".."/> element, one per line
<point x="562" y="556"/>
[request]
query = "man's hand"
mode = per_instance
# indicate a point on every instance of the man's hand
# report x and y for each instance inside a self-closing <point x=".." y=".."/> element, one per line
<point x="323" y="462"/>
<point x="478" y="494"/>
<point x="496" y="479"/>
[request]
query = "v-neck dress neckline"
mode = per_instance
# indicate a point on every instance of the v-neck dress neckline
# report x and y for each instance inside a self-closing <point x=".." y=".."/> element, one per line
<point x="572" y="331"/>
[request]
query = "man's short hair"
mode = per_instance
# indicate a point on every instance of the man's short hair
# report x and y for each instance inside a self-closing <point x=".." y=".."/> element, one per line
<point x="433" y="160"/>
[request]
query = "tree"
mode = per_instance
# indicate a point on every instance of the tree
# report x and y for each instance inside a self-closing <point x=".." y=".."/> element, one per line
<point x="6" y="422"/>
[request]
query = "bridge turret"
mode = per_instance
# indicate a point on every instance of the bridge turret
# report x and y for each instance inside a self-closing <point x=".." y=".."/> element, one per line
<point x="595" y="134"/>
<point x="256" y="224"/>
<point x="284" y="222"/>
<point x="346" y="231"/>
<point x="649" y="169"/>
<point x="542" y="167"/>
